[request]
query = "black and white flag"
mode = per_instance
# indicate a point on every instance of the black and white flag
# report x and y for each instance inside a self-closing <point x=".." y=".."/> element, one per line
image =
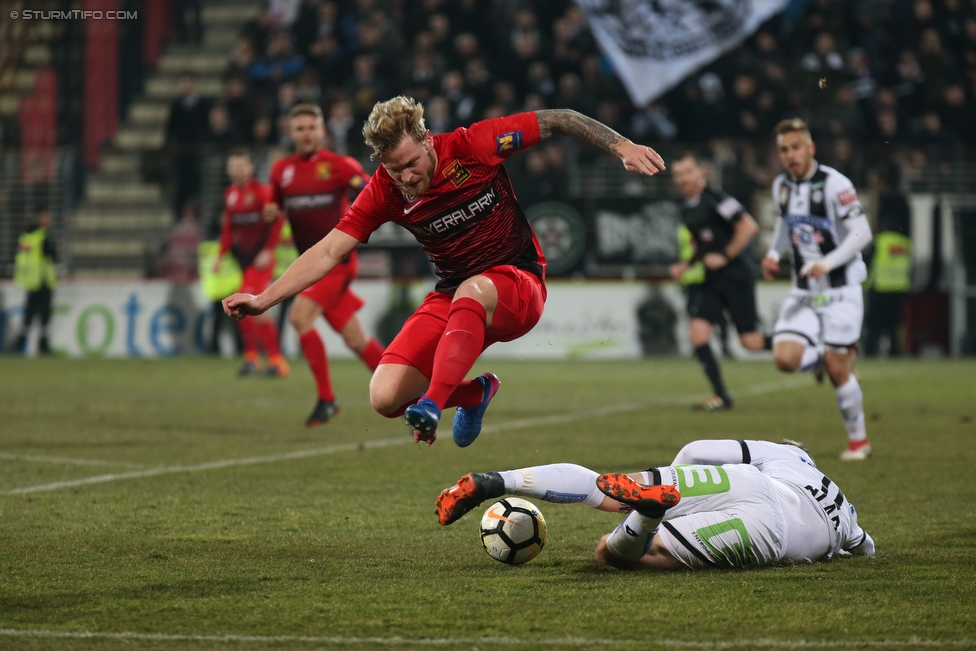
<point x="654" y="44"/>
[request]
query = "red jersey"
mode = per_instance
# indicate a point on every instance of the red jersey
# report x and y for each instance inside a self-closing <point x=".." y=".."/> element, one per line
<point x="469" y="220"/>
<point x="245" y="231"/>
<point x="314" y="192"/>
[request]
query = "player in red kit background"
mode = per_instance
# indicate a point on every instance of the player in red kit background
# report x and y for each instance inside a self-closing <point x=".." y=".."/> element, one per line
<point x="311" y="188"/>
<point x="251" y="238"/>
<point x="452" y="192"/>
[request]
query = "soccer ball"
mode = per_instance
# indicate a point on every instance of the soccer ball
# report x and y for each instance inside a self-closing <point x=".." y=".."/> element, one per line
<point x="513" y="531"/>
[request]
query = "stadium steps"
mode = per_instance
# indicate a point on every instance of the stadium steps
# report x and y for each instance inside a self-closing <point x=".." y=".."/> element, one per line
<point x="122" y="225"/>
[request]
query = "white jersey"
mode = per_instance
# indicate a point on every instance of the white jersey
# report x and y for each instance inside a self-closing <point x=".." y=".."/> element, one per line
<point x="795" y="468"/>
<point x="813" y="507"/>
<point x="813" y="212"/>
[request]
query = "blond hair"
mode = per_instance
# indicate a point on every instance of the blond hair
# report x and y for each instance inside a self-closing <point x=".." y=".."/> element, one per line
<point x="390" y="121"/>
<point x="793" y="125"/>
<point x="306" y="108"/>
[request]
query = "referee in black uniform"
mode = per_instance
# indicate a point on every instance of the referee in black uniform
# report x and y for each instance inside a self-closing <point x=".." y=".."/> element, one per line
<point x="721" y="230"/>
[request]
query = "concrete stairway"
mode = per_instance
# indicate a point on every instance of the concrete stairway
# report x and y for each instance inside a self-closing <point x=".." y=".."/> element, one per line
<point x="122" y="223"/>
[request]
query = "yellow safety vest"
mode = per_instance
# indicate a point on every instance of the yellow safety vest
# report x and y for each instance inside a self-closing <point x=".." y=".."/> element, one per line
<point x="686" y="248"/>
<point x="891" y="269"/>
<point x="33" y="269"/>
<point x="227" y="280"/>
<point x="285" y="252"/>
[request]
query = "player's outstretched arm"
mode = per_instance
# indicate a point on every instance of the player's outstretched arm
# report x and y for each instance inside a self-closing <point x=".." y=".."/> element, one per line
<point x="310" y="267"/>
<point x="567" y="122"/>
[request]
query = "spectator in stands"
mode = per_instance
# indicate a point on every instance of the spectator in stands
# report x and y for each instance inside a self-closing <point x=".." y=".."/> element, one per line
<point x="220" y="134"/>
<point x="890" y="130"/>
<point x="366" y="87"/>
<point x="308" y="88"/>
<point x="478" y="82"/>
<point x="841" y="157"/>
<point x="285" y="99"/>
<point x="330" y="59"/>
<point x="957" y="113"/>
<point x="421" y="78"/>
<point x="186" y="127"/>
<point x="938" y="143"/>
<point x="823" y="61"/>
<point x="263" y="134"/>
<point x="279" y="63"/>
<point x="596" y="81"/>
<point x="462" y="104"/>
<point x="540" y="180"/>
<point x="466" y="46"/>
<point x="570" y="94"/>
<point x="907" y="83"/>
<point x="240" y="108"/>
<point x="935" y="66"/>
<point x="437" y="115"/>
<point x="860" y="77"/>
<point x="842" y="118"/>
<point x="257" y="30"/>
<point x="341" y="127"/>
<point x="241" y="59"/>
<point x="653" y="123"/>
<point x="377" y="41"/>
<point x="189" y="31"/>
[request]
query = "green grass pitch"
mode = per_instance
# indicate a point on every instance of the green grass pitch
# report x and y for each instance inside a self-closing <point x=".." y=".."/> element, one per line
<point x="168" y="505"/>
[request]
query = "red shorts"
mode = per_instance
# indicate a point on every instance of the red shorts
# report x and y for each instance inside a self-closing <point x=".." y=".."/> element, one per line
<point x="521" y="298"/>
<point x="338" y="302"/>
<point x="256" y="280"/>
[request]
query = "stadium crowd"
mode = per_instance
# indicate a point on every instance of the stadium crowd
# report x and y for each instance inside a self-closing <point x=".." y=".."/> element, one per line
<point x="895" y="71"/>
<point x="885" y="72"/>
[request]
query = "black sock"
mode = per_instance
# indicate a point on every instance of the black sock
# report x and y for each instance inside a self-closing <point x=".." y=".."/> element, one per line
<point x="710" y="366"/>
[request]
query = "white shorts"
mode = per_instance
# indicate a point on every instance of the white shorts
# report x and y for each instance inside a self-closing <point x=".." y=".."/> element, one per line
<point x="728" y="516"/>
<point x="836" y="315"/>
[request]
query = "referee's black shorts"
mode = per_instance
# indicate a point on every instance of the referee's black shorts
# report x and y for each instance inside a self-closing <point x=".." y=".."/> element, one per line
<point x="732" y="292"/>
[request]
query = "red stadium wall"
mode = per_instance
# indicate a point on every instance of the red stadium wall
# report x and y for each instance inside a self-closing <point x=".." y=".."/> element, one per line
<point x="38" y="113"/>
<point x="157" y="16"/>
<point x="101" y="109"/>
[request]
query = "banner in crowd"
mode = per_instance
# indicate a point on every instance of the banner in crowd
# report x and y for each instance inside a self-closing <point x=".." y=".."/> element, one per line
<point x="655" y="44"/>
<point x="582" y="319"/>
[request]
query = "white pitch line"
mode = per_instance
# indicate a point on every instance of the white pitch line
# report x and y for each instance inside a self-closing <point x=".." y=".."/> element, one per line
<point x="523" y="423"/>
<point x="211" y="465"/>
<point x="338" y="640"/>
<point x="69" y="461"/>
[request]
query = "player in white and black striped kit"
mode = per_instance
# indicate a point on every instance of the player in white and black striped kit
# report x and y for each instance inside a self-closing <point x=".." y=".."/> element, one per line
<point x="720" y="504"/>
<point x="821" y="221"/>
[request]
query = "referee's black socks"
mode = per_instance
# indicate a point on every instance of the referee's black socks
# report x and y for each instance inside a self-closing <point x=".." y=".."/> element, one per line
<point x="710" y="365"/>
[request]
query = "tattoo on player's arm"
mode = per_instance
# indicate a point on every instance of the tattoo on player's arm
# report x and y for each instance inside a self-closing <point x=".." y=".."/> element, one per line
<point x="567" y="122"/>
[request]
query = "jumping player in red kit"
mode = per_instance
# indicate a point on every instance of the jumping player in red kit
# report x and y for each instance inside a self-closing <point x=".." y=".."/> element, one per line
<point x="452" y="192"/>
<point x="251" y="238"/>
<point x="312" y="188"/>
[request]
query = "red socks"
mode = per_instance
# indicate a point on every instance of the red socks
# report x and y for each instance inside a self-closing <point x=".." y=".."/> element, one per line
<point x="371" y="354"/>
<point x="269" y="337"/>
<point x="458" y="349"/>
<point x="314" y="349"/>
<point x="248" y="328"/>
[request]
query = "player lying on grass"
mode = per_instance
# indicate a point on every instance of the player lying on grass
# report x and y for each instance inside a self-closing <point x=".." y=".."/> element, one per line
<point x="719" y="504"/>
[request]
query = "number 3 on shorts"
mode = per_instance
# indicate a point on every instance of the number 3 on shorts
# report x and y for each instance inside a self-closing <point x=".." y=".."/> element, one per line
<point x="694" y="481"/>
